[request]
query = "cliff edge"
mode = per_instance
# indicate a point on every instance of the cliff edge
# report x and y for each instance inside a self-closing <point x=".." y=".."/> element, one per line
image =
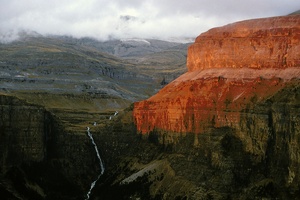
<point x="230" y="70"/>
<point x="240" y="103"/>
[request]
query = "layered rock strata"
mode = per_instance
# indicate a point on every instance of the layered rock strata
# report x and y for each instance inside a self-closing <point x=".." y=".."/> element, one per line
<point x="242" y="86"/>
<point x="39" y="158"/>
<point x="230" y="69"/>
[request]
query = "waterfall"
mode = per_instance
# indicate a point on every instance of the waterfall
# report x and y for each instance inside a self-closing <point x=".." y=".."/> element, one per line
<point x="113" y="115"/>
<point x="100" y="163"/>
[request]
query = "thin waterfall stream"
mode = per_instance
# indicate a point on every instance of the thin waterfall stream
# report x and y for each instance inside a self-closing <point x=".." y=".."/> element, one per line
<point x="100" y="163"/>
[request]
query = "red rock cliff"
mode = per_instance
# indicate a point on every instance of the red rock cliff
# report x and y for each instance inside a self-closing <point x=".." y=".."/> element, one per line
<point x="230" y="69"/>
<point x="261" y="43"/>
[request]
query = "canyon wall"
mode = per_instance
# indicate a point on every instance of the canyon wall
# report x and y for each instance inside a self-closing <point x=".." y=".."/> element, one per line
<point x="39" y="158"/>
<point x="230" y="68"/>
<point x="260" y="43"/>
<point x="243" y="77"/>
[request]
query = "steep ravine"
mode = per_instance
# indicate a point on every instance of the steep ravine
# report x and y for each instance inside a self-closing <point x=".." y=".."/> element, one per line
<point x="237" y="106"/>
<point x="40" y="159"/>
<point x="256" y="159"/>
<point x="226" y="129"/>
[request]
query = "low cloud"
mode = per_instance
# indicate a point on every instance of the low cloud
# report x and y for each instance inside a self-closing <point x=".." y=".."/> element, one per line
<point x="104" y="19"/>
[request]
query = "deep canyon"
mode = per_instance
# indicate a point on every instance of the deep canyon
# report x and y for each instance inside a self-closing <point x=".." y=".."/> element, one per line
<point x="228" y="128"/>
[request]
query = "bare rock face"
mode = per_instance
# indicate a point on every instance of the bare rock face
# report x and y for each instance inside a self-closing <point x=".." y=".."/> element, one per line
<point x="39" y="158"/>
<point x="245" y="78"/>
<point x="21" y="125"/>
<point x="208" y="98"/>
<point x="261" y="43"/>
<point x="230" y="69"/>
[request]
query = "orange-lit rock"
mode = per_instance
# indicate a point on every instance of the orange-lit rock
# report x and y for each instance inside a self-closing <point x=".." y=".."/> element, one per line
<point x="260" y="43"/>
<point x="230" y="69"/>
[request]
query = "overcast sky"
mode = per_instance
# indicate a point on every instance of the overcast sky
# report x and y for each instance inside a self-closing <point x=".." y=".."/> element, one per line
<point x="104" y="19"/>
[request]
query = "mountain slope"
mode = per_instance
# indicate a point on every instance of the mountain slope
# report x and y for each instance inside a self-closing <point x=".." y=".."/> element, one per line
<point x="59" y="64"/>
<point x="54" y="65"/>
<point x="69" y="75"/>
<point x="156" y="58"/>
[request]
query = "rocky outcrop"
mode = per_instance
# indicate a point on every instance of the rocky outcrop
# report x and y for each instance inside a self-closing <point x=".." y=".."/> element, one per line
<point x="208" y="98"/>
<point x="39" y="158"/>
<point x="261" y="43"/>
<point x="238" y="107"/>
<point x="21" y="125"/>
<point x="270" y="133"/>
<point x="255" y="159"/>
<point x="230" y="68"/>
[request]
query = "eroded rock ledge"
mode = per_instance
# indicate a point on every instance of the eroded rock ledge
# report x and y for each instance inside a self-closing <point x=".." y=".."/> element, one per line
<point x="40" y="159"/>
<point x="244" y="77"/>
<point x="230" y="69"/>
<point x="259" y="43"/>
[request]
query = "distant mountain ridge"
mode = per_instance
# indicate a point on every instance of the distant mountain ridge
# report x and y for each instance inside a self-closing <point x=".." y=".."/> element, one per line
<point x="126" y="48"/>
<point x="130" y="69"/>
<point x="295" y="13"/>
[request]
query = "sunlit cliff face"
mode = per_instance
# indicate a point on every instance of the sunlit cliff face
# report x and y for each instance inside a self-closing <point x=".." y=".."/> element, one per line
<point x="230" y="69"/>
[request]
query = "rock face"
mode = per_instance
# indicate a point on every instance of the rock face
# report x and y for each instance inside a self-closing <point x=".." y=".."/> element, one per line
<point x="239" y="101"/>
<point x="255" y="159"/>
<point x="39" y="158"/>
<point x="230" y="68"/>
<point x="261" y="43"/>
